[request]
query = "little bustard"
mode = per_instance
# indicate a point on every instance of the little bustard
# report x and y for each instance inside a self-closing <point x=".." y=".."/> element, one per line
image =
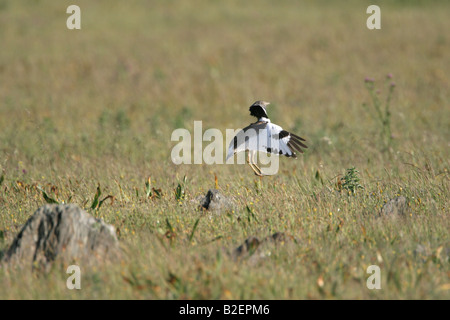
<point x="264" y="136"/>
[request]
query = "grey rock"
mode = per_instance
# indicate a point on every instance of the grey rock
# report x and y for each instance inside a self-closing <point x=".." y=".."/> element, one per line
<point x="249" y="247"/>
<point x="396" y="207"/>
<point x="62" y="231"/>
<point x="255" y="249"/>
<point x="215" y="201"/>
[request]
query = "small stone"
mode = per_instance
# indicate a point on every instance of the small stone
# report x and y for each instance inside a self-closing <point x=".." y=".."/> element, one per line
<point x="255" y="249"/>
<point x="396" y="207"/>
<point x="249" y="246"/>
<point x="215" y="201"/>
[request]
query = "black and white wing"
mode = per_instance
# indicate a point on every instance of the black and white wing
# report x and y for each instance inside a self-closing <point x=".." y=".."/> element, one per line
<point x="266" y="137"/>
<point x="283" y="142"/>
<point x="248" y="139"/>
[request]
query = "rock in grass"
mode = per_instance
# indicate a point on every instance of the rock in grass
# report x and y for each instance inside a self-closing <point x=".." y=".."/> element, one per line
<point x="396" y="207"/>
<point x="255" y="249"/>
<point x="249" y="247"/>
<point x="215" y="201"/>
<point x="61" y="231"/>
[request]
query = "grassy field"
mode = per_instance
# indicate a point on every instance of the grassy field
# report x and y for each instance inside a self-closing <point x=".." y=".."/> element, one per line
<point x="97" y="106"/>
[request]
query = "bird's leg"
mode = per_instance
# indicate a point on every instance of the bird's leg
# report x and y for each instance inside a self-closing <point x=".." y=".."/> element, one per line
<point x="254" y="163"/>
<point x="251" y="164"/>
<point x="255" y="168"/>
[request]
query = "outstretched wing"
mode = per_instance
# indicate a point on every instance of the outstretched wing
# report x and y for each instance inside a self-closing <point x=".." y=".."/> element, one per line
<point x="266" y="137"/>
<point x="247" y="139"/>
<point x="288" y="143"/>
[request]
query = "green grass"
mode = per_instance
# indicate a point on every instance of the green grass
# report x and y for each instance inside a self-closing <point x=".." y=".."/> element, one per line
<point x="96" y="107"/>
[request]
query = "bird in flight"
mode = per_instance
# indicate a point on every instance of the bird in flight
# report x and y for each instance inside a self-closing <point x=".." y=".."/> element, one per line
<point x="264" y="136"/>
